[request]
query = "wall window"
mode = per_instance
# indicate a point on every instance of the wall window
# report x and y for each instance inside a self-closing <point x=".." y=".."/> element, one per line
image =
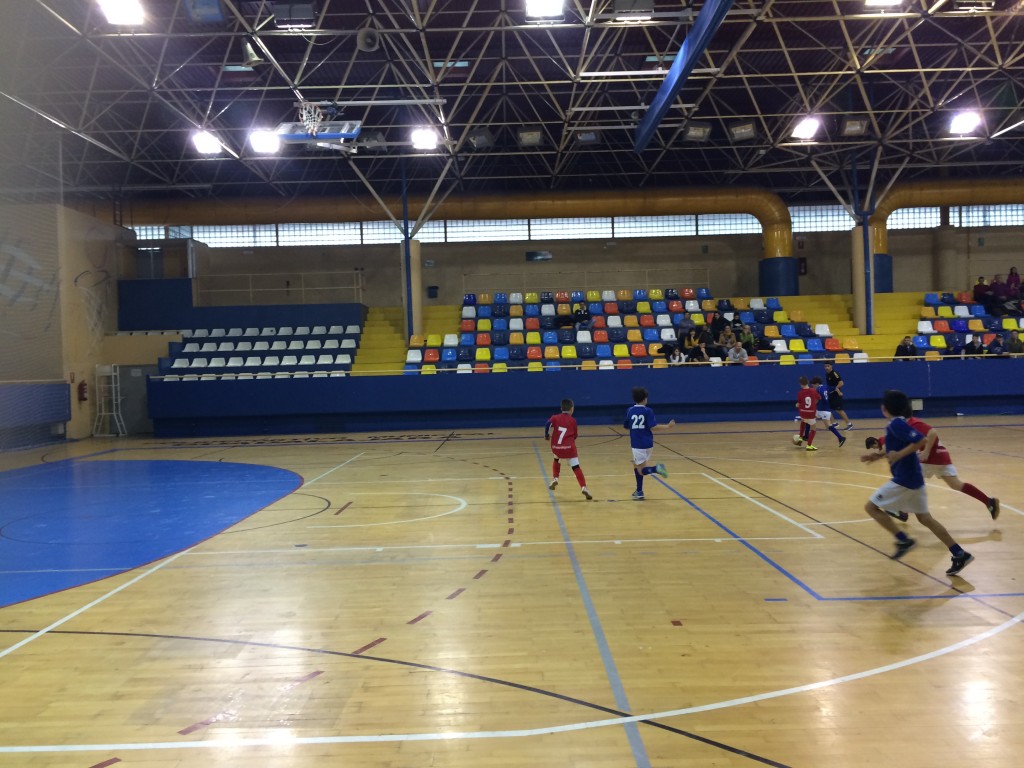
<point x="820" y="218"/>
<point x="327" y="233"/>
<point x="914" y="218"/>
<point x="654" y="226"/>
<point x="987" y="216"/>
<point x="469" y="231"/>
<point x="728" y="224"/>
<point x="570" y="229"/>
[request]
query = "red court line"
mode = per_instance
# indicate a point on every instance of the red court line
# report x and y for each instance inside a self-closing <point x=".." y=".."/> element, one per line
<point x="420" y="617"/>
<point x="200" y="725"/>
<point x="368" y="646"/>
<point x="349" y="504"/>
<point x="456" y="593"/>
<point x="496" y="558"/>
<point x="510" y="531"/>
<point x="301" y="680"/>
<point x="480" y="574"/>
<point x="506" y="543"/>
<point x="105" y="763"/>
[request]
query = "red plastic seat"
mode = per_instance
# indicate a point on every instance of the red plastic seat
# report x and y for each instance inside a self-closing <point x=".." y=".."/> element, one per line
<point x="467" y="326"/>
<point x="431" y="355"/>
<point x="483" y="339"/>
<point x="534" y="353"/>
<point x="611" y="308"/>
<point x="638" y="350"/>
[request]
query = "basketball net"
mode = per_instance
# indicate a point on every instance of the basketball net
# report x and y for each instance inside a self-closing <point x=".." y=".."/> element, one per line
<point x="311" y="118"/>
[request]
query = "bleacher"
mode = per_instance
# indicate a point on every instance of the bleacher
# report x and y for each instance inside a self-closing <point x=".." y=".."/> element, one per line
<point x="949" y="321"/>
<point x="533" y="331"/>
<point x="267" y="352"/>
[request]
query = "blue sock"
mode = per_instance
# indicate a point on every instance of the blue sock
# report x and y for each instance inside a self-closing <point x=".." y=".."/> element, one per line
<point x="649" y="470"/>
<point x="956" y="550"/>
<point x="901" y="536"/>
<point x="835" y="431"/>
<point x="639" y="481"/>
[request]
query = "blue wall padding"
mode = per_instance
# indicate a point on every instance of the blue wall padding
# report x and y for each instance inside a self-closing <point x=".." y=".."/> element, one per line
<point x="883" y="273"/>
<point x="72" y="522"/>
<point x="166" y="305"/>
<point x="778" y="277"/>
<point x="450" y="400"/>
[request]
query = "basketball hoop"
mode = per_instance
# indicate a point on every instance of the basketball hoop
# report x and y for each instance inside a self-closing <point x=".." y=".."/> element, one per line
<point x="311" y="117"/>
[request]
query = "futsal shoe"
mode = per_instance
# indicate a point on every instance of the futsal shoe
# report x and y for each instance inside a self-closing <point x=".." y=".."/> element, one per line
<point x="993" y="507"/>
<point x="902" y="547"/>
<point x="638" y="496"/>
<point x="811" y="448"/>
<point x="842" y="441"/>
<point x="660" y="469"/>
<point x="553" y="484"/>
<point x="849" y="426"/>
<point x="587" y="493"/>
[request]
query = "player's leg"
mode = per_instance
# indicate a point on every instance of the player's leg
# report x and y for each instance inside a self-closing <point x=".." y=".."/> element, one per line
<point x="891" y="496"/>
<point x="949" y="475"/>
<point x="577" y="470"/>
<point x="960" y="556"/>
<point x="556" y="467"/>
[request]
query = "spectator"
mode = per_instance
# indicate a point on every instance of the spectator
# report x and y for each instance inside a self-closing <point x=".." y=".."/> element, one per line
<point x="748" y="339"/>
<point x="905" y="350"/>
<point x="581" y="316"/>
<point x="727" y="339"/>
<point x="974" y="347"/>
<point x="997" y="348"/>
<point x="690" y="341"/>
<point x="1015" y="346"/>
<point x="699" y="354"/>
<point x="673" y="355"/>
<point x="685" y="326"/>
<point x="983" y="294"/>
<point x="1013" y="283"/>
<point x="718" y="323"/>
<point x="737" y="354"/>
<point x="1000" y="295"/>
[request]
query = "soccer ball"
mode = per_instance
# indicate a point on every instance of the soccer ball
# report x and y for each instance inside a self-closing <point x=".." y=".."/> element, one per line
<point x="797" y="439"/>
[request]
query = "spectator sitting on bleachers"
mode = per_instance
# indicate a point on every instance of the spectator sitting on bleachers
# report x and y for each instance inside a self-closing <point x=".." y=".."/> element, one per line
<point x="983" y="294"/>
<point x="737" y="354"/>
<point x="673" y="355"/>
<point x="717" y="323"/>
<point x="727" y="339"/>
<point x="748" y="339"/>
<point x="699" y="354"/>
<point x="685" y="326"/>
<point x="905" y="350"/>
<point x="1013" y="283"/>
<point x="1000" y="295"/>
<point x="1015" y="346"/>
<point x="581" y="316"/>
<point x="996" y="347"/>
<point x="707" y="337"/>
<point x="974" y="347"/>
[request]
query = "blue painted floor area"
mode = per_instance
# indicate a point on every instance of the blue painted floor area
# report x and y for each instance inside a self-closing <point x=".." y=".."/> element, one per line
<point x="68" y="523"/>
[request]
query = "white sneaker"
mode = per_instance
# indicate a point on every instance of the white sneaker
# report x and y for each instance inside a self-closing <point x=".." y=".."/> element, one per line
<point x="587" y="493"/>
<point x="553" y="484"/>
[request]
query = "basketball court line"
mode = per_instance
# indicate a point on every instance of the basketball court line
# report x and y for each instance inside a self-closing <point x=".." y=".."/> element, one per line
<point x="325" y="474"/>
<point x="765" y="507"/>
<point x="462" y="504"/>
<point x="278" y="739"/>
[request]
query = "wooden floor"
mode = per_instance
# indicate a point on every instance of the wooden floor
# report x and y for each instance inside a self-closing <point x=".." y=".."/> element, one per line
<point x="425" y="600"/>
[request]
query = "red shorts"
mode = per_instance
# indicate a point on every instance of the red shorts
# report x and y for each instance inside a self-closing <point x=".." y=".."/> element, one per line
<point x="564" y="451"/>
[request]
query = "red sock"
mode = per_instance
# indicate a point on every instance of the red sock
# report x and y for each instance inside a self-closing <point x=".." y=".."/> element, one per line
<point x="810" y="435"/>
<point x="555" y="467"/>
<point x="578" y="470"/>
<point x="974" y="493"/>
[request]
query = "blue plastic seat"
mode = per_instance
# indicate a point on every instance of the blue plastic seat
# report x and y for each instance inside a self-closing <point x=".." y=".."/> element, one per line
<point x="814" y="345"/>
<point x="501" y="298"/>
<point x="466" y="354"/>
<point x="577" y="296"/>
<point x="627" y="307"/>
<point x="977" y="310"/>
<point x="484" y="310"/>
<point x="678" y="318"/>
<point x="747" y="317"/>
<point x="548" y="323"/>
<point x="788" y="331"/>
<point x="959" y="326"/>
<point x="585" y="351"/>
<point x="659" y="307"/>
<point x="596" y="308"/>
<point x="651" y="334"/>
<point x="772" y="304"/>
<point x="704" y="294"/>
<point x="804" y="329"/>
<point x="724" y="305"/>
<point x="640" y="294"/>
<point x="617" y="335"/>
<point x="516" y="352"/>
<point x="549" y="337"/>
<point x="552" y="365"/>
<point x="448" y="355"/>
<point x="671" y="294"/>
<point x="469" y="300"/>
<point x="467" y="339"/>
<point x="603" y="351"/>
<point x="932" y="300"/>
<point x="921" y="342"/>
<point x="947" y="298"/>
<point x="531" y="310"/>
<point x="762" y="316"/>
<point x="410" y="369"/>
<point x="499" y="338"/>
<point x="804" y="359"/>
<point x="500" y="354"/>
<point x="499" y="310"/>
<point x="547" y="297"/>
<point x="500" y="324"/>
<point x="566" y="336"/>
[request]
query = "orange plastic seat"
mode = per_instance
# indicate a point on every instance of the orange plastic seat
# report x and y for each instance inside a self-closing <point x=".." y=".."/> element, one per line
<point x="634" y="335"/>
<point x="687" y="293"/>
<point x="851" y="344"/>
<point x="563" y="309"/>
<point x="624" y="294"/>
<point x="534" y="353"/>
<point x="467" y="326"/>
<point x="648" y="321"/>
<point x="630" y="321"/>
<point x="772" y="332"/>
<point x="842" y="358"/>
<point x="516" y="338"/>
<point x="638" y="350"/>
<point x="562" y="297"/>
<point x="483" y="339"/>
<point x="832" y="344"/>
<point x="624" y="364"/>
<point x="709" y="305"/>
<point x="927" y="313"/>
<point x="675" y="306"/>
<point x="416" y="341"/>
<point x="515" y="310"/>
<point x="484" y="298"/>
<point x="532" y="324"/>
<point x="552" y="352"/>
<point x="942" y="326"/>
<point x="611" y="308"/>
<point x="431" y="355"/>
<point x="598" y="322"/>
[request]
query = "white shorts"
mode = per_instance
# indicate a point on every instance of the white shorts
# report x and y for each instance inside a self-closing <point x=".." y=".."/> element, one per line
<point x="938" y="470"/>
<point x="812" y="422"/>
<point x="642" y="455"/>
<point x="893" y="497"/>
<point x="825" y="416"/>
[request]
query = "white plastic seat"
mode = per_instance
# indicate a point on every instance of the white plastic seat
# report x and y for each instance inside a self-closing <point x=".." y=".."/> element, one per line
<point x="822" y="329"/>
<point x="313" y="344"/>
<point x="289" y="360"/>
<point x="235" y="362"/>
<point x="207" y="377"/>
<point x="278" y="346"/>
<point x="190" y="347"/>
<point x="668" y="334"/>
<point x="605" y="365"/>
<point x="319" y="330"/>
<point x="261" y="346"/>
<point x="547" y="310"/>
<point x="925" y="326"/>
<point x="190" y="377"/>
<point x="464" y="368"/>
<point x="208" y="347"/>
<point x="268" y="332"/>
<point x="271" y="361"/>
<point x="961" y="310"/>
<point x="227" y="377"/>
<point x="779" y="346"/>
<point x="716" y="362"/>
<point x="663" y="321"/>
<point x="515" y="324"/>
<point x="282" y="375"/>
<point x="232" y="332"/>
<point x="860" y="357"/>
<point x="469" y="313"/>
<point x="339" y="374"/>
<point x="198" y="362"/>
<point x="200" y="333"/>
<point x="264" y="375"/>
<point x="217" y="333"/>
<point x="307" y="360"/>
<point x="343" y="360"/>
<point x="252" y="362"/>
<point x="348" y="343"/>
<point x="335" y="330"/>
<point x="244" y="376"/>
<point x="756" y="304"/>
<point x="584" y="337"/>
<point x="217" y="362"/>
<point x="319" y="374"/>
<point x="285" y="331"/>
<point x="451" y="340"/>
<point x="328" y="359"/>
<point x="692" y="305"/>
<point x="296" y="344"/>
<point x="251" y="332"/>
<point x="413" y="356"/>
<point x="302" y="330"/>
<point x="353" y="330"/>
<point x="608" y="296"/>
<point x="332" y="344"/>
<point x="172" y="378"/>
<point x="226" y="346"/>
<point x="300" y="375"/>
<point x="515" y="298"/>
<point x="180" y="362"/>
<point x="614" y="321"/>
<point x="187" y="333"/>
<point x="243" y="346"/>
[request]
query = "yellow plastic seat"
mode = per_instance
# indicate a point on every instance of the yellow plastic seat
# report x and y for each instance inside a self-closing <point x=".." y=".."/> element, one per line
<point x="659" y="362"/>
<point x="516" y="338"/>
<point x="709" y="305"/>
<point x="515" y="310"/>
<point x="1010" y="324"/>
<point x="842" y="358"/>
<point x="797" y="345"/>
<point x="780" y="316"/>
<point x="532" y="297"/>
<point x="697" y="318"/>
<point x="483" y="354"/>
<point x="927" y="313"/>
<point x="483" y="324"/>
<point x="569" y="352"/>
<point x="787" y="360"/>
<point x="772" y="332"/>
<point x="434" y="340"/>
<point x="484" y="298"/>
<point x="551" y="352"/>
<point x="416" y="341"/>
<point x="656" y="294"/>
<point x="741" y="304"/>
<point x="932" y="355"/>
<point x="976" y="326"/>
<point x="851" y="344"/>
<point x="624" y="294"/>
<point x="945" y="311"/>
<point x="535" y="366"/>
<point x="533" y="338"/>
<point x="428" y="368"/>
<point x="937" y="341"/>
<point x="643" y="307"/>
<point x="620" y="350"/>
<point x="593" y="296"/>
<point x="630" y="321"/>
<point x="563" y="310"/>
<point x="796" y="316"/>
<point x="588" y="365"/>
<point x="634" y="335"/>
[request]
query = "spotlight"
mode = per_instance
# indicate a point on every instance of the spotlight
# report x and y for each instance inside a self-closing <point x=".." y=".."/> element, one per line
<point x="743" y="131"/>
<point x="530" y="137"/>
<point x="697" y="131"/>
<point x="206" y="143"/>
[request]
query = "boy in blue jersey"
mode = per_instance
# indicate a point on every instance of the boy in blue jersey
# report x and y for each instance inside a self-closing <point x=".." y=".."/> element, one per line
<point x="824" y="414"/>
<point x="906" y="491"/>
<point x="641" y="423"/>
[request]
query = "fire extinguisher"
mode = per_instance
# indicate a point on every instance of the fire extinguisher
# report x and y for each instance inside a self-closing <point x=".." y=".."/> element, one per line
<point x="83" y="391"/>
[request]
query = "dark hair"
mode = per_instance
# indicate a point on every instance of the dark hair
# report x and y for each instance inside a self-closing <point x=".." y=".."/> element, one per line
<point x="896" y="403"/>
<point x="639" y="394"/>
<point x="802" y="381"/>
<point x="816" y="380"/>
<point x="567" y="405"/>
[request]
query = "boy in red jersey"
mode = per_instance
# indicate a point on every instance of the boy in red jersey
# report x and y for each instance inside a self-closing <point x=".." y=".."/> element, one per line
<point x="561" y="430"/>
<point x="936" y="462"/>
<point x="807" y="406"/>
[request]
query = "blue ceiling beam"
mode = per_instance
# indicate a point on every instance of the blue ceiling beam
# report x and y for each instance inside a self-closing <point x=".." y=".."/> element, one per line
<point x="710" y="18"/>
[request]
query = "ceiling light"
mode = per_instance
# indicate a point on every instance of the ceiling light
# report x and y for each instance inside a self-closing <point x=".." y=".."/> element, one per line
<point x="588" y="137"/>
<point x="480" y="138"/>
<point x="265" y="142"/>
<point x="530" y="137"/>
<point x="854" y="126"/>
<point x="424" y="138"/>
<point x="123" y="12"/>
<point x="964" y="123"/>
<point x="806" y="128"/>
<point x="697" y="131"/>
<point x="973" y="6"/>
<point x="634" y="10"/>
<point x="743" y="131"/>
<point x="204" y="11"/>
<point x="252" y="58"/>
<point x="881" y="3"/>
<point x="206" y="143"/>
<point x="292" y="14"/>
<point x="541" y="11"/>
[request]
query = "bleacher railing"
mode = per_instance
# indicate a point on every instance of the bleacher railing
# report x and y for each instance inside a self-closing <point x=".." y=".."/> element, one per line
<point x="611" y="278"/>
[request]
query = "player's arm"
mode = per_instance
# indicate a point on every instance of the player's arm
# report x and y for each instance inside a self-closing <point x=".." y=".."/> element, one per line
<point x="547" y="430"/>
<point x="930" y="441"/>
<point x="905" y="451"/>
<point x="671" y="423"/>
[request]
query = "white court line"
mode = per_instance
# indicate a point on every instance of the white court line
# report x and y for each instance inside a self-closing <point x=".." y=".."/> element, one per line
<point x="325" y="474"/>
<point x="300" y="550"/>
<point x="278" y="740"/>
<point x="85" y="608"/>
<point x="765" y="507"/>
<point x="462" y="504"/>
